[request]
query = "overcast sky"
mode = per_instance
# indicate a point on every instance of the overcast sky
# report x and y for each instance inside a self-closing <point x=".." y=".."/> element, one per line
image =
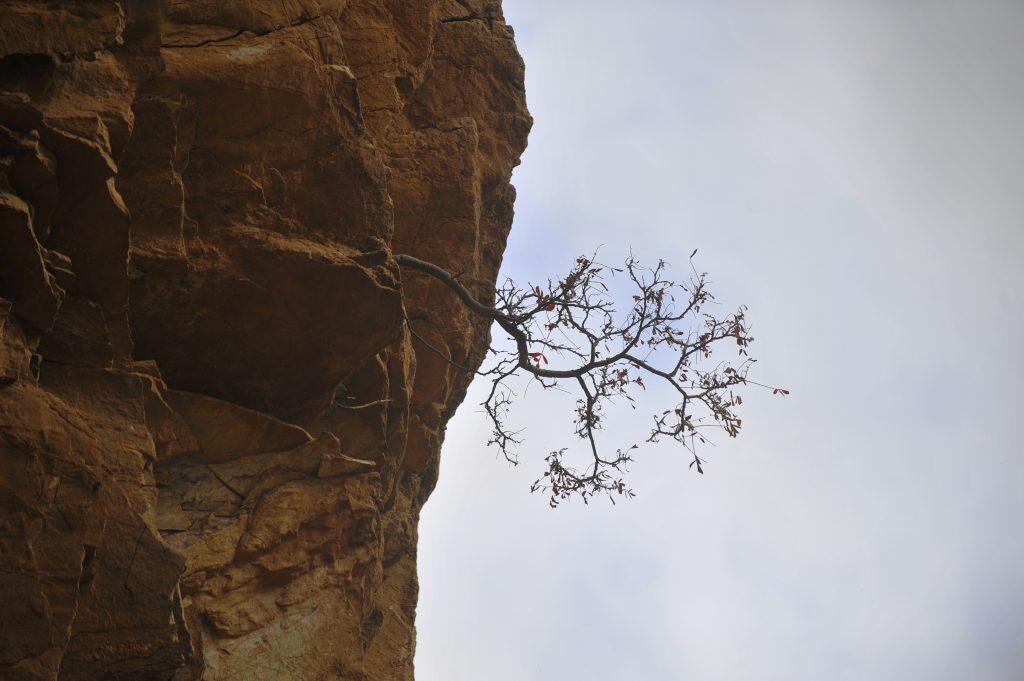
<point x="854" y="172"/>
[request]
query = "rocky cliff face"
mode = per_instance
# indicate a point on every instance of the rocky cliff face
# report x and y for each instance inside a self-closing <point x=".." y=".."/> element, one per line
<point x="216" y="430"/>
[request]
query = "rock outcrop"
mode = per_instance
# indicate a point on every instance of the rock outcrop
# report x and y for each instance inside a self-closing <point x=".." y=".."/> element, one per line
<point x="216" y="429"/>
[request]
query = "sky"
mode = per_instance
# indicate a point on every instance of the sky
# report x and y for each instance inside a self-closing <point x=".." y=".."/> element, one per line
<point x="854" y="173"/>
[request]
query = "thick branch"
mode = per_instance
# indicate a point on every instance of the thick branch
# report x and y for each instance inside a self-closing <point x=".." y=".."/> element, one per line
<point x="450" y="281"/>
<point x="509" y="324"/>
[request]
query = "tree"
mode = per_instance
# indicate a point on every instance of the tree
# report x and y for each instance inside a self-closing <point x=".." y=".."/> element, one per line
<point x="665" y="336"/>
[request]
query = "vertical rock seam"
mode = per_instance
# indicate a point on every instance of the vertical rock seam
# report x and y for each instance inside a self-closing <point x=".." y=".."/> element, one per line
<point x="216" y="432"/>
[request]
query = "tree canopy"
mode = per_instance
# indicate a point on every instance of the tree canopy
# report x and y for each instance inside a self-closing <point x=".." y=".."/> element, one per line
<point x="568" y="334"/>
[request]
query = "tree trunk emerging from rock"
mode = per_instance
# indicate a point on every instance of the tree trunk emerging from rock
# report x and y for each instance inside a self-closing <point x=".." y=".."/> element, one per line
<point x="568" y="331"/>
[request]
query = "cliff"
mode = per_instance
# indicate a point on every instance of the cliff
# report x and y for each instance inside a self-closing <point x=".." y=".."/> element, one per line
<point x="216" y="431"/>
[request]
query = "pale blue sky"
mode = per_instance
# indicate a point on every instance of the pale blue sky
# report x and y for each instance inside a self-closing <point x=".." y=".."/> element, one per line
<point x="854" y="172"/>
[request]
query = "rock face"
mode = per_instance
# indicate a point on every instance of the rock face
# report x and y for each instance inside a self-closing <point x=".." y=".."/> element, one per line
<point x="216" y="429"/>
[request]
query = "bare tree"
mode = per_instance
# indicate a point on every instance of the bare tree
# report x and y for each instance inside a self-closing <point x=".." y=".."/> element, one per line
<point x="568" y="332"/>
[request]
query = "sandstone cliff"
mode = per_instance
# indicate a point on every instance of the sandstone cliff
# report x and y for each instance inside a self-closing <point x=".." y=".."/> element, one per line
<point x="216" y="431"/>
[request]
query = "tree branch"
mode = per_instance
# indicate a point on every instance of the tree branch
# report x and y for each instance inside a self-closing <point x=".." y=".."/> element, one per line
<point x="609" y="358"/>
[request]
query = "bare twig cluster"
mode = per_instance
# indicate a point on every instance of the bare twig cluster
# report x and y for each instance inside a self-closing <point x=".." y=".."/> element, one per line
<point x="567" y="333"/>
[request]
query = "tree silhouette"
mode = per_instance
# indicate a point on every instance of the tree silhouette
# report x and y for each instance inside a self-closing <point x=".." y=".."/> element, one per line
<point x="568" y="332"/>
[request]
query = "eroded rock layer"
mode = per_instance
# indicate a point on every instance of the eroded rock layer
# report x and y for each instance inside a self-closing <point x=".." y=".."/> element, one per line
<point x="216" y="429"/>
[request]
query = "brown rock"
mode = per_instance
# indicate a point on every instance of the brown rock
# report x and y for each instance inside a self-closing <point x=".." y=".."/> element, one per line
<point x="225" y="431"/>
<point x="216" y="430"/>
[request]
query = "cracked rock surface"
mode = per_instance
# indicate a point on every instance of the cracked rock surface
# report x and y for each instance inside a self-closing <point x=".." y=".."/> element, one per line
<point x="216" y="431"/>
